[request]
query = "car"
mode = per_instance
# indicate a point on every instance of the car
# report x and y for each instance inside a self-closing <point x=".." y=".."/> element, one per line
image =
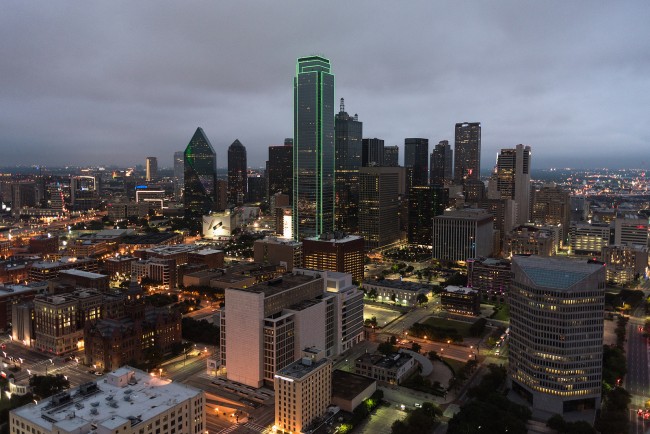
<point x="99" y="374"/>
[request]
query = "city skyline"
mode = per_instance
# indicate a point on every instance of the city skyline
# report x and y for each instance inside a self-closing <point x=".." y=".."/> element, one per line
<point x="115" y="87"/>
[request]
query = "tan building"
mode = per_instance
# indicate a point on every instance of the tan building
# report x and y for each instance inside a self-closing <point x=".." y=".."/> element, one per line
<point x="303" y="391"/>
<point x="59" y="320"/>
<point x="624" y="264"/>
<point x="127" y="401"/>
<point x="335" y="251"/>
<point x="529" y="240"/>
<point x="391" y="369"/>
<point x="349" y="390"/>
<point x="277" y="251"/>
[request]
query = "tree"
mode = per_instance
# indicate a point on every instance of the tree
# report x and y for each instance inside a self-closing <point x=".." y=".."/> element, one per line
<point x="372" y="294"/>
<point x="386" y="348"/>
<point x="45" y="386"/>
<point x="416" y="347"/>
<point x="422" y="299"/>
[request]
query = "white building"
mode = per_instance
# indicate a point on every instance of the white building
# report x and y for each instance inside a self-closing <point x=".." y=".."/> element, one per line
<point x="128" y="401"/>
<point x="556" y="329"/>
<point x="462" y="234"/>
<point x="265" y="327"/>
<point x="303" y="391"/>
<point x="401" y="292"/>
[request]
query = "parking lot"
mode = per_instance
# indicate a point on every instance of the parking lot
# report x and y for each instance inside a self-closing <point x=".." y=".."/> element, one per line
<point x="384" y="315"/>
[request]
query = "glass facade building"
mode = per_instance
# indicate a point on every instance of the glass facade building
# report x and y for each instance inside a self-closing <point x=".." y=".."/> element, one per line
<point x="416" y="155"/>
<point x="348" y="132"/>
<point x="313" y="149"/>
<point x="200" y="162"/>
<point x="237" y="175"/>
<point x="467" y="150"/>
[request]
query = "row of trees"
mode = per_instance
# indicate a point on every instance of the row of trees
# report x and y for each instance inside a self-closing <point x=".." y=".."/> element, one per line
<point x="200" y="331"/>
<point x="420" y="420"/>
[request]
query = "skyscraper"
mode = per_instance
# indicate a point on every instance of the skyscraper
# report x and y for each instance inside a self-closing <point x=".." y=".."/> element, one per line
<point x="467" y="150"/>
<point x="179" y="175"/>
<point x="513" y="179"/>
<point x="313" y="149"/>
<point x="391" y="156"/>
<point x="279" y="169"/>
<point x="237" y="176"/>
<point x="348" y="131"/>
<point x="416" y="155"/>
<point x="372" y="153"/>
<point x="152" y="168"/>
<point x="441" y="164"/>
<point x="425" y="202"/>
<point x="200" y="178"/>
<point x="556" y="339"/>
<point x="379" y="206"/>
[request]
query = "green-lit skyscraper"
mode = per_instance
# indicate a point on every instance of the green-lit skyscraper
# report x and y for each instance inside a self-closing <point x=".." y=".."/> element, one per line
<point x="313" y="148"/>
<point x="200" y="178"/>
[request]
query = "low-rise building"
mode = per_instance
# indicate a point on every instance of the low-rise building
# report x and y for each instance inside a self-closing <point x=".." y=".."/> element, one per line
<point x="400" y="292"/>
<point x="127" y="401"/>
<point x="349" y="390"/>
<point x="84" y="279"/>
<point x="492" y="276"/>
<point x="456" y="299"/>
<point x="625" y="264"/>
<point x="392" y="368"/>
<point x="530" y="240"/>
<point x="278" y="251"/>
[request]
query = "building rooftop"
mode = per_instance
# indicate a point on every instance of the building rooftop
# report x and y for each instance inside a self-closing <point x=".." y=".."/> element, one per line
<point x="60" y="263"/>
<point x="556" y="273"/>
<point x="126" y="395"/>
<point x="81" y="273"/>
<point x="173" y="250"/>
<point x="335" y="237"/>
<point x="399" y="284"/>
<point x="282" y="241"/>
<point x="280" y="284"/>
<point x="395" y="360"/>
<point x="301" y="368"/>
<point x="205" y="252"/>
<point x="149" y="238"/>
<point x="347" y="385"/>
<point x="460" y="290"/>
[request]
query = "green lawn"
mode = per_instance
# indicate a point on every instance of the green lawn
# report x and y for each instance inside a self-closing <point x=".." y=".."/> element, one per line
<point x="503" y="314"/>
<point x="456" y="365"/>
<point x="460" y="326"/>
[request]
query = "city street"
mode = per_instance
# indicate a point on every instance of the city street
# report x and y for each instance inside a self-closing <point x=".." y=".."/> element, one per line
<point x="637" y="381"/>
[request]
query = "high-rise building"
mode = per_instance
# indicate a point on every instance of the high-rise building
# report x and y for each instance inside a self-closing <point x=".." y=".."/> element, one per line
<point x="462" y="234"/>
<point x="200" y="163"/>
<point x="416" y="156"/>
<point x="256" y="188"/>
<point x="391" y="156"/>
<point x="441" y="164"/>
<point x="372" y="152"/>
<point x="279" y="169"/>
<point x="513" y="179"/>
<point x="237" y="175"/>
<point x="84" y="192"/>
<point x="348" y="131"/>
<point x="556" y="333"/>
<point x="265" y="327"/>
<point x="425" y="202"/>
<point x="335" y="251"/>
<point x="552" y="206"/>
<point x="152" y="168"/>
<point x="127" y="401"/>
<point x="179" y="174"/>
<point x="467" y="152"/>
<point x="313" y="148"/>
<point x="379" y="206"/>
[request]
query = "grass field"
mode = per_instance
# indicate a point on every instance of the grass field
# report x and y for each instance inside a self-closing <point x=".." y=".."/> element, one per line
<point x="503" y="314"/>
<point x="460" y="326"/>
<point x="456" y="365"/>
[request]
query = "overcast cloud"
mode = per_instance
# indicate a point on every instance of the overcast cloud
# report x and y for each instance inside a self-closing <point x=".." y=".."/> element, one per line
<point x="116" y="81"/>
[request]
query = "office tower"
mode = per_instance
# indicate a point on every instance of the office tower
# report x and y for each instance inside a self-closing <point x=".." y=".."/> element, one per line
<point x="529" y="240"/>
<point x="265" y="327"/>
<point x="278" y="251"/>
<point x="391" y="156"/>
<point x="372" y="153"/>
<point x="303" y="391"/>
<point x="590" y="238"/>
<point x="556" y="333"/>
<point x="152" y="168"/>
<point x="336" y="251"/>
<point x="467" y="152"/>
<point x="200" y="163"/>
<point x="474" y="190"/>
<point x="552" y="206"/>
<point x="256" y="188"/>
<point x="348" y="132"/>
<point x="221" y="195"/>
<point x="513" y="179"/>
<point x="630" y="230"/>
<point x="441" y="164"/>
<point x="425" y="202"/>
<point x="126" y="401"/>
<point x="237" y="175"/>
<point x="379" y="206"/>
<point x="462" y="234"/>
<point x="416" y="156"/>
<point x="313" y="148"/>
<point x="179" y="174"/>
<point x="279" y="169"/>
<point x="84" y="193"/>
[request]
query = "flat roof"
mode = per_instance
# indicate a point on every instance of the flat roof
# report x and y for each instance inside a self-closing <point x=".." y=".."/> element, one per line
<point x="404" y="285"/>
<point x="107" y="405"/>
<point x="149" y="238"/>
<point x="280" y="284"/>
<point x="207" y="252"/>
<point x="301" y="368"/>
<point x="460" y="290"/>
<point x="81" y="273"/>
<point x="347" y="385"/>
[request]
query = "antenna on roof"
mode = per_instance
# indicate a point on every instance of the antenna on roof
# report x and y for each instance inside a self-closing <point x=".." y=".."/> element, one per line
<point x="342" y="105"/>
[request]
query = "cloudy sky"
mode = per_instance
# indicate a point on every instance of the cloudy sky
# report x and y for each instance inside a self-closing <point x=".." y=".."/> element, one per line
<point x="112" y="82"/>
